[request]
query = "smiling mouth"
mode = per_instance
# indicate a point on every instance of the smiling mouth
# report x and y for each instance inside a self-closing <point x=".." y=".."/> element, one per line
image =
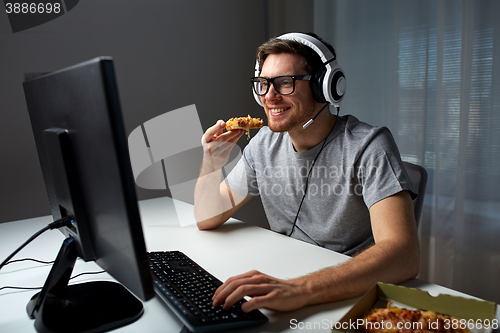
<point x="278" y="110"/>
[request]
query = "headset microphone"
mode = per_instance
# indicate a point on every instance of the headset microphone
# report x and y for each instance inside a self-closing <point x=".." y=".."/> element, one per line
<point x="317" y="114"/>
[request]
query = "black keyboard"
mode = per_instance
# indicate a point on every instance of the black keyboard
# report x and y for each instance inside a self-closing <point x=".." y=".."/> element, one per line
<point x="188" y="289"/>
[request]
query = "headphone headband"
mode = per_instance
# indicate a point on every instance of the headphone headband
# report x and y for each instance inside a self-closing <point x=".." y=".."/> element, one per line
<point x="320" y="48"/>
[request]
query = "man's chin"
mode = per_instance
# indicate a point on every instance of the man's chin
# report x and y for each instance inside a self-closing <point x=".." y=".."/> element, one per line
<point x="282" y="127"/>
<point x="276" y="129"/>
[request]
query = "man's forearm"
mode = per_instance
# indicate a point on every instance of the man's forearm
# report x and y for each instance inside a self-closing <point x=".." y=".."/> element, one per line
<point x="384" y="262"/>
<point x="211" y="201"/>
<point x="208" y="204"/>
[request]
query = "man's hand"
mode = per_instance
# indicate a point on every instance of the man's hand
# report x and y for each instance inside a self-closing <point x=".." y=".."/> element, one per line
<point x="217" y="145"/>
<point x="393" y="258"/>
<point x="266" y="292"/>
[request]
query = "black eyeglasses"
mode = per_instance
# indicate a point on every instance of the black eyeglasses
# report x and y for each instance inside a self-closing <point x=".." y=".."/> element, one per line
<point x="283" y="84"/>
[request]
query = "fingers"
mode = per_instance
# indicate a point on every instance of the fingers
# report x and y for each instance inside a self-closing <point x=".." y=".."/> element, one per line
<point x="259" y="294"/>
<point x="215" y="132"/>
<point x="266" y="292"/>
<point x="233" y="279"/>
<point x="219" y="149"/>
<point x="265" y="301"/>
<point x="214" y="138"/>
<point x="225" y="141"/>
<point x="252" y="283"/>
<point x="217" y="145"/>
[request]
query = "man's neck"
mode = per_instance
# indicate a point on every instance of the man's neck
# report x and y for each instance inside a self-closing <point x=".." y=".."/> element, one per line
<point x="305" y="139"/>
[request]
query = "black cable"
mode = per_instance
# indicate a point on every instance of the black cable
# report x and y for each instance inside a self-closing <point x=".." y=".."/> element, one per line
<point x="314" y="118"/>
<point x="307" y="180"/>
<point x="87" y="273"/>
<point x="35" y="260"/>
<point x="65" y="221"/>
<point x="306" y="187"/>
<point x="36" y="288"/>
<point x="21" y="288"/>
<point x="30" y="259"/>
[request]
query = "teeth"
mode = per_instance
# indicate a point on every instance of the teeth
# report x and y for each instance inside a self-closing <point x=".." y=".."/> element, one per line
<point x="277" y="110"/>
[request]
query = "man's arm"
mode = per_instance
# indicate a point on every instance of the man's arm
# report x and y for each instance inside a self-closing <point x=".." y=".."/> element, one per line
<point x="215" y="203"/>
<point x="219" y="205"/>
<point x="394" y="258"/>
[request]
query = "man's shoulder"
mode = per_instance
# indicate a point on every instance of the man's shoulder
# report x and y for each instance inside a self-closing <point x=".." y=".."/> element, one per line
<point x="355" y="126"/>
<point x="359" y="135"/>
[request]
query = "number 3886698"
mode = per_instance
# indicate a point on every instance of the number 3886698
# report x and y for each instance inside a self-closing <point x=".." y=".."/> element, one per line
<point x="32" y="8"/>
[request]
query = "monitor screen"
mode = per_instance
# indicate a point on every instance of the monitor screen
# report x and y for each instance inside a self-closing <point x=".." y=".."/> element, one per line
<point x="82" y="147"/>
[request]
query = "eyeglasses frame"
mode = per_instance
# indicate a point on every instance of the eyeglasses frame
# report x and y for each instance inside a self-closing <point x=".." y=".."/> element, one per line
<point x="271" y="80"/>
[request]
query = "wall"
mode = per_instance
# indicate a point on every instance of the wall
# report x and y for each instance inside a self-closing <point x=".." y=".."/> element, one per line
<point x="167" y="54"/>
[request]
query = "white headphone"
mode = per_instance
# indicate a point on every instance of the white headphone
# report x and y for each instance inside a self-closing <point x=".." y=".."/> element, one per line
<point x="328" y="85"/>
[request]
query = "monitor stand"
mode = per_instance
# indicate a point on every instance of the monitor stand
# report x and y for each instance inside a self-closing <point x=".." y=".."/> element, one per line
<point x="86" y="307"/>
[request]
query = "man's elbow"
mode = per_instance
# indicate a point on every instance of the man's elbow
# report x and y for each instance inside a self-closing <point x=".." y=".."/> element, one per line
<point x="210" y="223"/>
<point x="413" y="270"/>
<point x="204" y="226"/>
<point x="406" y="260"/>
<point x="413" y="261"/>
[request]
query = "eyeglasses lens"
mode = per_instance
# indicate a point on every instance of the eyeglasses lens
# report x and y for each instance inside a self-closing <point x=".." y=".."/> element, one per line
<point x="260" y="86"/>
<point x="284" y="85"/>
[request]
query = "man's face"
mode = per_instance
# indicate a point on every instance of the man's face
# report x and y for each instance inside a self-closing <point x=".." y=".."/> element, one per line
<point x="287" y="112"/>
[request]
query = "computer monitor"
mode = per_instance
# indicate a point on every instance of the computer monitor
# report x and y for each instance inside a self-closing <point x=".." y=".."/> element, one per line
<point x="82" y="147"/>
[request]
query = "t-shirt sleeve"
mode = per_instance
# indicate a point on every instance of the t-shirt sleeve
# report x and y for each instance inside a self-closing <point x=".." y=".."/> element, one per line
<point x="381" y="171"/>
<point x="242" y="178"/>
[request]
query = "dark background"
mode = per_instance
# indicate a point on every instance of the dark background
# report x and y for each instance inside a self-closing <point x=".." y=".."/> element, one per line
<point x="167" y="55"/>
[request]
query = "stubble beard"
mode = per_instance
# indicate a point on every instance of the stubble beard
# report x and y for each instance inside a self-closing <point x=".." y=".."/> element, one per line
<point x="294" y="122"/>
<point x="285" y="126"/>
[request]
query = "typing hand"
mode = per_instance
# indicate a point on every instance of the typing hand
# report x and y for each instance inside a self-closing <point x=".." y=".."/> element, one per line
<point x="266" y="292"/>
<point x="217" y="145"/>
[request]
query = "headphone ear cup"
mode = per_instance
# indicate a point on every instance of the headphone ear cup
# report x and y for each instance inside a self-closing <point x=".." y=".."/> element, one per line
<point x="317" y="86"/>
<point x="338" y="86"/>
<point x="333" y="84"/>
<point x="332" y="91"/>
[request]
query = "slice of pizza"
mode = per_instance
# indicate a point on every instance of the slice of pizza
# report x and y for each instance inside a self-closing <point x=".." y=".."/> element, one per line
<point x="395" y="319"/>
<point x="244" y="123"/>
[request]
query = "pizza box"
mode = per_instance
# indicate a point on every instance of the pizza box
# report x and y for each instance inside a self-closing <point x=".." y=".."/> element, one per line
<point x="478" y="315"/>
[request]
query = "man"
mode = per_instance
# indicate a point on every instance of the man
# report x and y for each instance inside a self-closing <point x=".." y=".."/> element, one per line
<point x="337" y="183"/>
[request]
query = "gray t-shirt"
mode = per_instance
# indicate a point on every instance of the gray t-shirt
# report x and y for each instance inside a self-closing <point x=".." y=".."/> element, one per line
<point x="357" y="166"/>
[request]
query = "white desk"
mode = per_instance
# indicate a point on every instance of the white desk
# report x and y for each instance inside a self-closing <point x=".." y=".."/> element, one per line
<point x="232" y="249"/>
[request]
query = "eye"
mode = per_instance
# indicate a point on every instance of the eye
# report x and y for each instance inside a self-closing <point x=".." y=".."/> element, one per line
<point x="286" y="82"/>
<point x="261" y="82"/>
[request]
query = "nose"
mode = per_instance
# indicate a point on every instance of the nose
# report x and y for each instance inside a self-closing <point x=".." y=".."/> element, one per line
<point x="272" y="94"/>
